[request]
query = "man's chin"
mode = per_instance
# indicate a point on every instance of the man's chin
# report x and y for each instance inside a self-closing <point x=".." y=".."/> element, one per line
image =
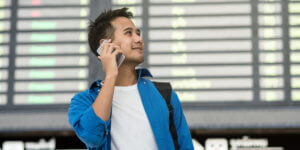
<point x="136" y="61"/>
<point x="139" y="61"/>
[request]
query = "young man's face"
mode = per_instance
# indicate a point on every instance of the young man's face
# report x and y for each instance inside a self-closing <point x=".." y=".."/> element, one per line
<point x="128" y="37"/>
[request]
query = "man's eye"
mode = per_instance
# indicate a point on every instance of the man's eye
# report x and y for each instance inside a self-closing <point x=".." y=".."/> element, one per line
<point x="128" y="32"/>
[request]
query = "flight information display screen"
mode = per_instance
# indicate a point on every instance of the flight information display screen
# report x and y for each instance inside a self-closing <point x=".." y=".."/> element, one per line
<point x="217" y="51"/>
<point x="4" y="48"/>
<point x="50" y="51"/>
<point x="223" y="50"/>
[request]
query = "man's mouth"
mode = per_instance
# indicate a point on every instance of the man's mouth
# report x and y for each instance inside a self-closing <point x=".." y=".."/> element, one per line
<point x="137" y="48"/>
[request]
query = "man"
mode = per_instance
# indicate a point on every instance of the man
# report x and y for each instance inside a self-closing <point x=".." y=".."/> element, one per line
<point x="125" y="110"/>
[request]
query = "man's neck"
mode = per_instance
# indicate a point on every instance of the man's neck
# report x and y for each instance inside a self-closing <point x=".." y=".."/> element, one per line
<point x="127" y="76"/>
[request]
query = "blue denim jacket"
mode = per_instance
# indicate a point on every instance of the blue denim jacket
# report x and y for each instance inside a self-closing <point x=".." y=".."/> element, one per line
<point x="95" y="132"/>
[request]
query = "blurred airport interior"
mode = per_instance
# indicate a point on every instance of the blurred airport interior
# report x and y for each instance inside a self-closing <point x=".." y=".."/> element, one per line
<point x="235" y="65"/>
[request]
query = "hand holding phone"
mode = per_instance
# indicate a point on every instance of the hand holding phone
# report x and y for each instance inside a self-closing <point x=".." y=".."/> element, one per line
<point x="119" y="58"/>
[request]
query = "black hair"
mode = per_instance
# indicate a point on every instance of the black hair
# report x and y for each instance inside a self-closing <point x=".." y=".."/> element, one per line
<point x="102" y="28"/>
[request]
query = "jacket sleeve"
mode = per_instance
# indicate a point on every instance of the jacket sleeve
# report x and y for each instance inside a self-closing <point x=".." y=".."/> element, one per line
<point x="183" y="132"/>
<point x="90" y="128"/>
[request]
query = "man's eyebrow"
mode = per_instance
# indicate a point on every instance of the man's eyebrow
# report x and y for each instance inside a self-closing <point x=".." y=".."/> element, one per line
<point x="130" y="28"/>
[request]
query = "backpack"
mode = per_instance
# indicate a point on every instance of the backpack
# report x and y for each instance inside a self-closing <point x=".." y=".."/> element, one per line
<point x="165" y="89"/>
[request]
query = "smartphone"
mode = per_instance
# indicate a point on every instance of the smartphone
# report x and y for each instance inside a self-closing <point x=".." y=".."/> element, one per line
<point x="120" y="57"/>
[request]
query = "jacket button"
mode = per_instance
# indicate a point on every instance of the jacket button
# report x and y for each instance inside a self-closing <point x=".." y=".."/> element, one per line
<point x="144" y="82"/>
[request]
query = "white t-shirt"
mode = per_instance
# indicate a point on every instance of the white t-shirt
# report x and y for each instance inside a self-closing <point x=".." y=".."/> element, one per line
<point x="130" y="127"/>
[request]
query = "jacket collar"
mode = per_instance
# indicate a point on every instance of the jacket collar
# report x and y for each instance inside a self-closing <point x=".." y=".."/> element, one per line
<point x="141" y="72"/>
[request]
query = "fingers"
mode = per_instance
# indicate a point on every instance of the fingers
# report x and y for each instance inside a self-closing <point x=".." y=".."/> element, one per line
<point x="105" y="47"/>
<point x="116" y="52"/>
<point x="111" y="48"/>
<point x="99" y="57"/>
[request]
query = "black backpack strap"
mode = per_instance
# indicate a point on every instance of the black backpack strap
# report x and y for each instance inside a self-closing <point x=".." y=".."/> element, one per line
<point x="165" y="89"/>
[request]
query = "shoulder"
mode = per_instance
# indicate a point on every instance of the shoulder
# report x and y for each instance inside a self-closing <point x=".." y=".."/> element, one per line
<point x="145" y="82"/>
<point x="89" y="93"/>
<point x="82" y="98"/>
<point x="173" y="95"/>
<point x="80" y="95"/>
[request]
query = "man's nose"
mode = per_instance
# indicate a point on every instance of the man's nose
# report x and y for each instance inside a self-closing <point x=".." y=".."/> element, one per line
<point x="138" y="38"/>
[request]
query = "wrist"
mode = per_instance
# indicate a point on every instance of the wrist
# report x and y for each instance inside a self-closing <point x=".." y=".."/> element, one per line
<point x="111" y="74"/>
<point x="111" y="78"/>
